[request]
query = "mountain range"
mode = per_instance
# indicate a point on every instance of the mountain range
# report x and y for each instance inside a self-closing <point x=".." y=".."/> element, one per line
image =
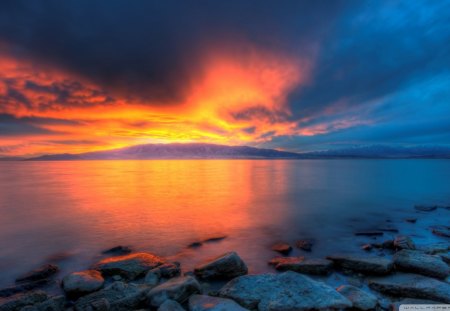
<point x="213" y="151"/>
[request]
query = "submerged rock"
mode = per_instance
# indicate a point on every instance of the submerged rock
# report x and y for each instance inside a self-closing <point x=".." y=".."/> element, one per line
<point x="367" y="247"/>
<point x="411" y="220"/>
<point x="41" y="273"/>
<point x="369" y="233"/>
<point x="208" y="303"/>
<point x="170" y="305"/>
<point x="300" y="264"/>
<point x="418" y="262"/>
<point x="282" y="248"/>
<point x="128" y="266"/>
<point x="226" y="266"/>
<point x="178" y="289"/>
<point x="446" y="257"/>
<point x="403" y="242"/>
<point x="435" y="248"/>
<point x="441" y="231"/>
<point x="305" y="244"/>
<point x="412" y="286"/>
<point x="81" y="283"/>
<point x="23" y="287"/>
<point x="118" y="250"/>
<point x="426" y="208"/>
<point x="360" y="299"/>
<point x="363" y="264"/>
<point x="17" y="302"/>
<point x="215" y="239"/>
<point x="117" y="296"/>
<point x="285" y="291"/>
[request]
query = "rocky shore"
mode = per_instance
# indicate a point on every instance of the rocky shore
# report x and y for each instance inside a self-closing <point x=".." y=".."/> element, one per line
<point x="382" y="275"/>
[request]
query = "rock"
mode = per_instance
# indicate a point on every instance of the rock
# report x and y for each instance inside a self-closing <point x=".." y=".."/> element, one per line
<point x="215" y="239"/>
<point x="41" y="273"/>
<point x="117" y="296"/>
<point x="209" y="303"/>
<point x="17" y="302"/>
<point x="435" y="248"/>
<point x="195" y="244"/>
<point x="388" y="229"/>
<point x="226" y="266"/>
<point x="425" y="208"/>
<point x="441" y="231"/>
<point x="81" y="283"/>
<point x="403" y="242"/>
<point x="305" y="244"/>
<point x="118" y="250"/>
<point x="421" y="263"/>
<point x="282" y="248"/>
<point x="284" y="291"/>
<point x="367" y="247"/>
<point x="53" y="304"/>
<point x="170" y="305"/>
<point x="360" y="299"/>
<point x="178" y="289"/>
<point x="23" y="287"/>
<point x="412" y="286"/>
<point x="446" y="257"/>
<point x="302" y="265"/>
<point x="128" y="266"/>
<point x="370" y="233"/>
<point x="363" y="264"/>
<point x="411" y="301"/>
<point x="411" y="220"/>
<point x="167" y="270"/>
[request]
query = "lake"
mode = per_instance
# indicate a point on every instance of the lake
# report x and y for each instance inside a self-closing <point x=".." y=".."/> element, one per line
<point x="71" y="211"/>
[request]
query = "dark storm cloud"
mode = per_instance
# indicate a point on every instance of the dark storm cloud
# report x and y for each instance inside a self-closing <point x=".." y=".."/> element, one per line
<point x="152" y="47"/>
<point x="13" y="126"/>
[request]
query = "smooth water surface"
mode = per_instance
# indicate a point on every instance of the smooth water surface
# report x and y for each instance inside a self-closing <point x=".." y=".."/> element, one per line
<point x="71" y="211"/>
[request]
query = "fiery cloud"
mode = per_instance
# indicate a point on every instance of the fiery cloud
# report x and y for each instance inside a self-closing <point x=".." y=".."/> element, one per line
<point x="233" y="98"/>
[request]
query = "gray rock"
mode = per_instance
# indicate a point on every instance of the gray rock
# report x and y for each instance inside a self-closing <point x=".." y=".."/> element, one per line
<point x="117" y="296"/>
<point x="403" y="242"/>
<point x="282" y="248"/>
<point x="167" y="270"/>
<point x="19" y="301"/>
<point x="41" y="273"/>
<point x="363" y="264"/>
<point x="170" y="305"/>
<point x="421" y="263"/>
<point x="412" y="286"/>
<point x="208" y="303"/>
<point x="128" y="266"/>
<point x="226" y="266"/>
<point x="285" y="291"/>
<point x="360" y="299"/>
<point x="178" y="289"/>
<point x="53" y="304"/>
<point x="300" y="264"/>
<point x="426" y="208"/>
<point x="83" y="282"/>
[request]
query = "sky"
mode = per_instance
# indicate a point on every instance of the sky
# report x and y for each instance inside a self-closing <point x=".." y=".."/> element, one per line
<point x="81" y="75"/>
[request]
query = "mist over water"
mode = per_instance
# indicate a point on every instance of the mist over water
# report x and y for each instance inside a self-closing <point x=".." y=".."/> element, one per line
<point x="73" y="210"/>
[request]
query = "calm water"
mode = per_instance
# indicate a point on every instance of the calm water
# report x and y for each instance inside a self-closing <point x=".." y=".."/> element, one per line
<point x="80" y="208"/>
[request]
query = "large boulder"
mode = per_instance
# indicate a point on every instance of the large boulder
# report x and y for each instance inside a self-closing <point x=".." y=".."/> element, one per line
<point x="178" y="289"/>
<point x="170" y="305"/>
<point x="167" y="270"/>
<point x="362" y="264"/>
<point x="208" y="303"/>
<point x="117" y="296"/>
<point x="316" y="266"/>
<point x="83" y="282"/>
<point x="412" y="286"/>
<point x="360" y="299"/>
<point x="285" y="291"/>
<point x="226" y="266"/>
<point x="128" y="266"/>
<point x="17" y="302"/>
<point x="421" y="263"/>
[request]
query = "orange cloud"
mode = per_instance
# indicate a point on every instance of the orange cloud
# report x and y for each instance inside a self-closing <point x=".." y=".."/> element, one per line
<point x="234" y="98"/>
